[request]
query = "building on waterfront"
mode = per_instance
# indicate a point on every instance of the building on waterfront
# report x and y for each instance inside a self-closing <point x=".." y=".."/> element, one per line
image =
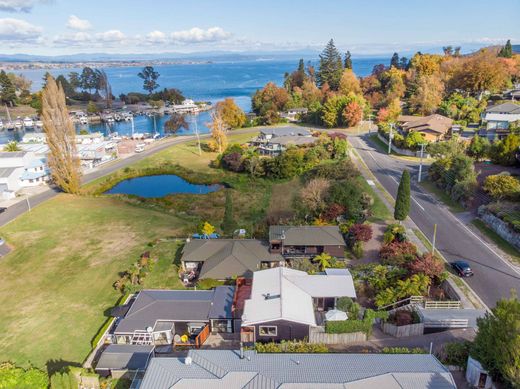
<point x="21" y="169"/>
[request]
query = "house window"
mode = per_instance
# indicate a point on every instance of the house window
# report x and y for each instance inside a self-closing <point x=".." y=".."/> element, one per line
<point x="267" y="330"/>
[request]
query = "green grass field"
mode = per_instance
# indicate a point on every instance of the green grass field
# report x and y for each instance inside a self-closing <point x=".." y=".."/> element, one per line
<point x="57" y="282"/>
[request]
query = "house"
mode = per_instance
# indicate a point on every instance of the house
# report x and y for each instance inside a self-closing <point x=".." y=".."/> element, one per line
<point x="121" y="360"/>
<point x="233" y="369"/>
<point x="21" y="169"/>
<point x="187" y="106"/>
<point x="306" y="241"/>
<point x="498" y="118"/>
<point x="512" y="94"/>
<point x="433" y="127"/>
<point x="293" y="114"/>
<point x="284" y="302"/>
<point x="273" y="141"/>
<point x="224" y="258"/>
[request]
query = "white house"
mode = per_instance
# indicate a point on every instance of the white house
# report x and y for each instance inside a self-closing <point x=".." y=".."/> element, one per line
<point x="499" y="117"/>
<point x="21" y="169"/>
<point x="187" y="106"/>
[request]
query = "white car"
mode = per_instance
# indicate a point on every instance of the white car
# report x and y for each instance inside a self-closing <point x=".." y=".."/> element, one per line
<point x="2" y="241"/>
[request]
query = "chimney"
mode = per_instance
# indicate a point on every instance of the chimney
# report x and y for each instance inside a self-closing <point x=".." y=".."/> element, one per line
<point x="241" y="350"/>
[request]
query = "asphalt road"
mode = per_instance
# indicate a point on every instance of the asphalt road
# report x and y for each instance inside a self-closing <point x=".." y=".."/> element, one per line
<point x="23" y="206"/>
<point x="494" y="276"/>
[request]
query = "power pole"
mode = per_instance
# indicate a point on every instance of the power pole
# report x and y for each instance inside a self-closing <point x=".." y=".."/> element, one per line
<point x="390" y="136"/>
<point x="434" y="238"/>
<point x="420" y="165"/>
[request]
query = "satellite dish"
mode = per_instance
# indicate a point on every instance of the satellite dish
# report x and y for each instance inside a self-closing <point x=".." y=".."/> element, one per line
<point x="149" y="330"/>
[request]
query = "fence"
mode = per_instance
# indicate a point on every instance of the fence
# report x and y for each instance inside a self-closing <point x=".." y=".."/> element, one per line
<point x="318" y="335"/>
<point x="202" y="336"/>
<point x="448" y="304"/>
<point x="402" y="331"/>
<point x="398" y="150"/>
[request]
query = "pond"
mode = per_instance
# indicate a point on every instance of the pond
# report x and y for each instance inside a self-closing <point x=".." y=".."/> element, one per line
<point x="160" y="186"/>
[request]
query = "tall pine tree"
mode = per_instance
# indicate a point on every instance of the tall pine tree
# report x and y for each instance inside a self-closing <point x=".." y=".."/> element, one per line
<point x="402" y="202"/>
<point x="394" y="62"/>
<point x="331" y="66"/>
<point x="7" y="89"/>
<point x="506" y="51"/>
<point x="348" y="60"/>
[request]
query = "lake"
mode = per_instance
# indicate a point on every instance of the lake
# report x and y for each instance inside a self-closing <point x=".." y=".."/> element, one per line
<point x="160" y="186"/>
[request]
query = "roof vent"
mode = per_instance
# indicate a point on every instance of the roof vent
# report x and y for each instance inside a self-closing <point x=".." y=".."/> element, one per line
<point x="187" y="361"/>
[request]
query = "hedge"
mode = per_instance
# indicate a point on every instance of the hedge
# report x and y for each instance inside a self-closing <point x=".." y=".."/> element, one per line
<point x="295" y="346"/>
<point x="349" y="326"/>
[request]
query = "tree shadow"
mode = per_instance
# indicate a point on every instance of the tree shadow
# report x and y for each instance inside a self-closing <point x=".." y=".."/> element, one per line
<point x="58" y="365"/>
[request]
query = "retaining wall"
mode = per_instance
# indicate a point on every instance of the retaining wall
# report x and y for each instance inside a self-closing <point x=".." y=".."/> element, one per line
<point x="500" y="227"/>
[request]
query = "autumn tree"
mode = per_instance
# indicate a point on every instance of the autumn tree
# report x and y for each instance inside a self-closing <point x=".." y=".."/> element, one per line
<point x="231" y="113"/>
<point x="352" y="114"/>
<point x="296" y="78"/>
<point x="61" y="139"/>
<point x="313" y="195"/>
<point x="218" y="132"/>
<point x="428" y="95"/>
<point x="349" y="83"/>
<point x="269" y="101"/>
<point x="149" y="76"/>
<point x="428" y="264"/>
<point x="175" y="123"/>
<point x="426" y="64"/>
<point x="331" y="66"/>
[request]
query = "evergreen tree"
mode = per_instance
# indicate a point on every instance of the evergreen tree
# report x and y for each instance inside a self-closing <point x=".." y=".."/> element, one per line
<point x="394" y="62"/>
<point x="402" y="202"/>
<point x="506" y="51"/>
<point x="348" y="60"/>
<point x="331" y="66"/>
<point x="404" y="63"/>
<point x="229" y="225"/>
<point x="7" y="89"/>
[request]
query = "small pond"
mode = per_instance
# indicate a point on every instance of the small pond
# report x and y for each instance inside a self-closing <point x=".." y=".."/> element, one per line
<point x="160" y="186"/>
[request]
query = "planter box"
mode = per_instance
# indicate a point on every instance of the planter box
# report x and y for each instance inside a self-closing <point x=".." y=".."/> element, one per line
<point x="403" y="331"/>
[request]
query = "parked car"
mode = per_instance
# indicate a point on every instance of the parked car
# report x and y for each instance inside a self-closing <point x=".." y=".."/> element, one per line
<point x="2" y="241"/>
<point x="3" y="209"/>
<point x="462" y="268"/>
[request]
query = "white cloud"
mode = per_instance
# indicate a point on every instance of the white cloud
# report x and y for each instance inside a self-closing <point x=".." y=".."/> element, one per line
<point x="76" y="39"/>
<point x="111" y="36"/>
<point x="19" y="5"/>
<point x="198" y="35"/>
<point x="156" y="37"/>
<point x="75" y="23"/>
<point x="17" y="30"/>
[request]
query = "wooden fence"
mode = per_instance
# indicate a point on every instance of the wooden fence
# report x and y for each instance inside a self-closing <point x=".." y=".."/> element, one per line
<point x="448" y="304"/>
<point x="403" y="331"/>
<point x="202" y="336"/>
<point x="318" y="335"/>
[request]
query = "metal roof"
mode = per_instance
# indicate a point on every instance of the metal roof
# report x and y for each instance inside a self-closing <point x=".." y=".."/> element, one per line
<point x="286" y="294"/>
<point x="507" y="108"/>
<point x="7" y="171"/>
<point x="124" y="357"/>
<point x="297" y="370"/>
<point x="176" y="305"/>
<point x="286" y="131"/>
<point x="307" y="235"/>
<point x="225" y="258"/>
<point x="445" y="315"/>
<point x="13" y="154"/>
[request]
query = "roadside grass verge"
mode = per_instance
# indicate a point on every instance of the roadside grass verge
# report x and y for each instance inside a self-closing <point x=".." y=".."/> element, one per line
<point x="442" y="196"/>
<point x="502" y="244"/>
<point x="57" y="281"/>
<point x="380" y="212"/>
<point x="383" y="147"/>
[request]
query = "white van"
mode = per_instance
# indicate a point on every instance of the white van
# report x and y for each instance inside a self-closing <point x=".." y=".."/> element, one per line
<point x="139" y="148"/>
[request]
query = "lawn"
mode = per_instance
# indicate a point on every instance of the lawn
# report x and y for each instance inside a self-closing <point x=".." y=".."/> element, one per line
<point x="442" y="196"/>
<point x="282" y="197"/>
<point x="57" y="282"/>
<point x="502" y="244"/>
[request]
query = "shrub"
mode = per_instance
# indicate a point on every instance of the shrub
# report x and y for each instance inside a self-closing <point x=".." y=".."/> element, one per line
<point x="352" y="308"/>
<point x="233" y="162"/>
<point x="502" y="186"/>
<point x="403" y="318"/>
<point x="354" y="325"/>
<point x="398" y="253"/>
<point x="394" y="232"/>
<point x="357" y="250"/>
<point x="403" y="350"/>
<point x="344" y="169"/>
<point x="12" y="376"/>
<point x="295" y="346"/>
<point x="428" y="264"/>
<point x="456" y="354"/>
<point x="361" y="232"/>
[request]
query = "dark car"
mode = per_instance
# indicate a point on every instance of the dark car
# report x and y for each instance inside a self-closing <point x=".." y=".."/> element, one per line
<point x="3" y="209"/>
<point x="462" y="268"/>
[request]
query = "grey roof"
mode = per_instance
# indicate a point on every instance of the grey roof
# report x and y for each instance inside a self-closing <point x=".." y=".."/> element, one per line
<point x="124" y="357"/>
<point x="442" y="315"/>
<point x="294" y="140"/>
<point x="224" y="258"/>
<point x="297" y="370"/>
<point x="509" y="108"/>
<point x="286" y="131"/>
<point x="13" y="154"/>
<point x="151" y="306"/>
<point x="7" y="171"/>
<point x="307" y="235"/>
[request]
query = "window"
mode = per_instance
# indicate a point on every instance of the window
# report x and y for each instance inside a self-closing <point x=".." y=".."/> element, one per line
<point x="267" y="330"/>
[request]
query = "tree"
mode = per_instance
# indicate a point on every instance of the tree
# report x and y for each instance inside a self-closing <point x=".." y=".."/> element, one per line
<point x="361" y="232"/>
<point x="352" y="114"/>
<point x="296" y="78"/>
<point x="348" y="61"/>
<point x="428" y="264"/>
<point x="414" y="139"/>
<point x="205" y="229"/>
<point x="497" y="344"/>
<point x="269" y="101"/>
<point x="394" y="61"/>
<point x="402" y="201"/>
<point x="426" y="64"/>
<point x="218" y="132"/>
<point x="7" y="89"/>
<point x="231" y="113"/>
<point x="105" y="87"/>
<point x="229" y="225"/>
<point x="149" y="76"/>
<point x="61" y="138"/>
<point x="323" y="260"/>
<point x="506" y="51"/>
<point x="331" y="66"/>
<point x="175" y="123"/>
<point x="12" y="376"/>
<point x="504" y="152"/>
<point x="88" y="79"/>
<point x="74" y="80"/>
<point x="448" y="51"/>
<point x="67" y="89"/>
<point x="313" y="195"/>
<point x="92" y="108"/>
<point x="349" y="83"/>
<point x="398" y="253"/>
<point x="12" y="147"/>
<point x="428" y="95"/>
<point x="502" y="186"/>
<point x="479" y="147"/>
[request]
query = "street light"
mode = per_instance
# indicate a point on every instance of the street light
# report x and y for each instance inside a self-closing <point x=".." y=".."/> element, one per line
<point x="390" y="136"/>
<point x="420" y="164"/>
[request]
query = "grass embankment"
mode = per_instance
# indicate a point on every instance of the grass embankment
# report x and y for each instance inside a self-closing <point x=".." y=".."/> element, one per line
<point x="442" y="196"/>
<point x="57" y="282"/>
<point x="502" y="244"/>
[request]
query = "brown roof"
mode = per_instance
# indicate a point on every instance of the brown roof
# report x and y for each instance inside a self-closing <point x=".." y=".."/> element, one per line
<point x="434" y="123"/>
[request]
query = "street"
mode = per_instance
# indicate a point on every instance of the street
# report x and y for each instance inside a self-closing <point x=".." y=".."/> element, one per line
<point x="494" y="276"/>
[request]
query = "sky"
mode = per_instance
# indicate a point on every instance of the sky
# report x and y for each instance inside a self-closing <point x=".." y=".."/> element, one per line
<point x="58" y="27"/>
